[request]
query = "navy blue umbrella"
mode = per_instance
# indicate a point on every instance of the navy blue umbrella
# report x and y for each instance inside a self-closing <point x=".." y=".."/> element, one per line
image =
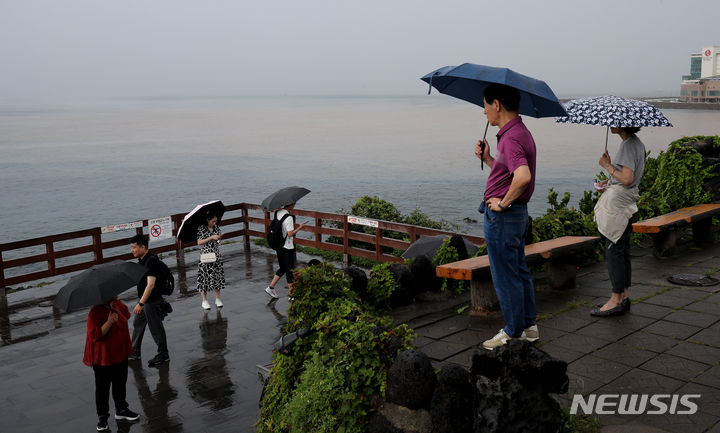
<point x="468" y="82"/>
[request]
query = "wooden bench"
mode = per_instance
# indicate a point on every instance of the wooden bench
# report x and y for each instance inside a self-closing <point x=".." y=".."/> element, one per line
<point x="664" y="228"/>
<point x="560" y="254"/>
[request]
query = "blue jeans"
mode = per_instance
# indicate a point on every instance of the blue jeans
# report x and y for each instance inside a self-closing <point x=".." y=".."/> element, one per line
<point x="505" y="240"/>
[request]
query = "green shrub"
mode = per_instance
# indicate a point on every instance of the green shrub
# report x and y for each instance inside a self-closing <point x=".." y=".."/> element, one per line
<point x="337" y="374"/>
<point x="380" y="288"/>
<point x="561" y="220"/>
<point x="448" y="254"/>
<point x="314" y="288"/>
<point x="674" y="181"/>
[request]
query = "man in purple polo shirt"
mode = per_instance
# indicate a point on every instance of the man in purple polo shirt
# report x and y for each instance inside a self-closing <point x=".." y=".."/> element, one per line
<point x="508" y="189"/>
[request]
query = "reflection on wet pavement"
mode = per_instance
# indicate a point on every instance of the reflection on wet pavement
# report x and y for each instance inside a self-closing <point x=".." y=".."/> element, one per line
<point x="155" y="402"/>
<point x="207" y="378"/>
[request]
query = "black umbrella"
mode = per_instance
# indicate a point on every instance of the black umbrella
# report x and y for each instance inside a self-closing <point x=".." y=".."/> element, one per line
<point x="430" y="245"/>
<point x="98" y="284"/>
<point x="283" y="197"/>
<point x="188" y="228"/>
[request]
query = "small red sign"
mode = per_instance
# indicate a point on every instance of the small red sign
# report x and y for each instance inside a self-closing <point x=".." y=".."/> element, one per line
<point x="707" y="53"/>
<point x="156" y="230"/>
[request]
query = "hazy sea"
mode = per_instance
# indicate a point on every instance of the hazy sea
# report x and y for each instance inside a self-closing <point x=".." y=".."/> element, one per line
<point x="76" y="166"/>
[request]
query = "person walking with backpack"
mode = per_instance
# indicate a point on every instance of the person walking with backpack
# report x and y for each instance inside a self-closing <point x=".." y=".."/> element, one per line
<point x="286" y="250"/>
<point x="151" y="307"/>
<point x="211" y="275"/>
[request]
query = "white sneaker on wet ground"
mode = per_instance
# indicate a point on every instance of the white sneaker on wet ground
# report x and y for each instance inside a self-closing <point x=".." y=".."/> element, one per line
<point x="270" y="291"/>
<point x="205" y="305"/>
<point x="218" y="303"/>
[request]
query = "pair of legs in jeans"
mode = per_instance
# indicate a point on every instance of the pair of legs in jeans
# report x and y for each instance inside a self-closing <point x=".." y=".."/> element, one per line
<point x="151" y="316"/>
<point x="505" y="239"/>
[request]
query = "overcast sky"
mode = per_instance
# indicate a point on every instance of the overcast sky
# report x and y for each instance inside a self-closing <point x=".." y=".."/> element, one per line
<point x="95" y="49"/>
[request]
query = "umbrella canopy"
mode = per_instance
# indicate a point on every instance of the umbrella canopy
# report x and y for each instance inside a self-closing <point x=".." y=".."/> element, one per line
<point x="613" y="111"/>
<point x="283" y="197"/>
<point x="430" y="245"/>
<point x="98" y="284"/>
<point x="188" y="228"/>
<point x="468" y="82"/>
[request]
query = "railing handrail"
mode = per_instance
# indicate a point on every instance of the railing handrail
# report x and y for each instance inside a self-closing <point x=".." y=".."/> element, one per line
<point x="316" y="230"/>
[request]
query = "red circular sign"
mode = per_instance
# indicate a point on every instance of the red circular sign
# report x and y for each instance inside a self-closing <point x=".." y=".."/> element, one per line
<point x="155" y="230"/>
<point x="707" y="53"/>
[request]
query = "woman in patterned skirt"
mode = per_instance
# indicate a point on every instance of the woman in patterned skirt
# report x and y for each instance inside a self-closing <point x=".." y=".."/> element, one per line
<point x="211" y="275"/>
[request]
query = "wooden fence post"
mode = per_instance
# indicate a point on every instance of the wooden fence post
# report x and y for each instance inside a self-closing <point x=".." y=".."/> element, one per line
<point x="347" y="258"/>
<point x="50" y="249"/>
<point x="97" y="245"/>
<point x="246" y="228"/>
<point x="4" y="316"/>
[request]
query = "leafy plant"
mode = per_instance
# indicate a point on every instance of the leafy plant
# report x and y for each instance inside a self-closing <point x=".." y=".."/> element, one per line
<point x="380" y="288"/>
<point x="335" y="376"/>
<point x="561" y="220"/>
<point x="674" y="181"/>
<point x="448" y="254"/>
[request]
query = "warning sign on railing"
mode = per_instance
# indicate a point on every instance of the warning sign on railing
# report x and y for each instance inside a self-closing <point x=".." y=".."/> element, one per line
<point x="160" y="228"/>
<point x="362" y="221"/>
<point x="121" y="227"/>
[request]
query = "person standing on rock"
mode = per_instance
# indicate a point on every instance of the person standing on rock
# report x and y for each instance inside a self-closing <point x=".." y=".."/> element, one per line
<point x="509" y="188"/>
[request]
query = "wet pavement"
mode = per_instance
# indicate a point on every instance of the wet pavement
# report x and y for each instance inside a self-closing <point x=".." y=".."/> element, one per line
<point x="669" y="343"/>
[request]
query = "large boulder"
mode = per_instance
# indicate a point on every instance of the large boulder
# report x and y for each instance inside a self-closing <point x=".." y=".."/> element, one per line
<point x="411" y="380"/>
<point x="513" y="384"/>
<point x="403" y="295"/>
<point x="424" y="272"/>
<point x="452" y="403"/>
<point x="358" y="281"/>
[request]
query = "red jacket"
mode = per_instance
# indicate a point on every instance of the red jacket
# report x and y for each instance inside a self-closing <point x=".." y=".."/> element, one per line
<point x="113" y="347"/>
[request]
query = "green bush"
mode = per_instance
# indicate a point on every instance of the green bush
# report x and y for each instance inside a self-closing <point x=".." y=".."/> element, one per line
<point x="336" y="375"/>
<point x="674" y="181"/>
<point x="448" y="254"/>
<point x="561" y="220"/>
<point x="314" y="288"/>
<point x="380" y="288"/>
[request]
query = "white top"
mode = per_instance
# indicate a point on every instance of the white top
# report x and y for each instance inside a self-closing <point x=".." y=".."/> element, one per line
<point x="288" y="226"/>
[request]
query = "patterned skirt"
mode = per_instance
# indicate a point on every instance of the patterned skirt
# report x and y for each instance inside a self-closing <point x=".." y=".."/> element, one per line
<point x="211" y="276"/>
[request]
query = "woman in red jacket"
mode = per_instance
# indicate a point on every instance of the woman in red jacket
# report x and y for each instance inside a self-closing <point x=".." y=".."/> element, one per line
<point x="107" y="348"/>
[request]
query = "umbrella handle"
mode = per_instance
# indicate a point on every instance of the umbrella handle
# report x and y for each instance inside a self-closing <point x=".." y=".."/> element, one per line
<point x="482" y="145"/>
<point x="607" y="131"/>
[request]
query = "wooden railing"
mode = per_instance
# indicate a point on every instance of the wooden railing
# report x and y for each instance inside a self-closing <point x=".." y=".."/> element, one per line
<point x="240" y="220"/>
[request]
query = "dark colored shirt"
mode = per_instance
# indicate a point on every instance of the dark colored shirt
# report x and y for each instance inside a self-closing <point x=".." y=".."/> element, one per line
<point x="152" y="262"/>
<point x="516" y="148"/>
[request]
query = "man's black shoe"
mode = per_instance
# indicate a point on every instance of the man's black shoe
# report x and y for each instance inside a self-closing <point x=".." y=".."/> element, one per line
<point x="159" y="359"/>
<point x="127" y="415"/>
<point x="134" y="357"/>
<point x="102" y="425"/>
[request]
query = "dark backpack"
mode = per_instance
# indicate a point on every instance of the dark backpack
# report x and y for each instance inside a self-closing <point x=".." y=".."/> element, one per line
<point x="167" y="283"/>
<point x="275" y="237"/>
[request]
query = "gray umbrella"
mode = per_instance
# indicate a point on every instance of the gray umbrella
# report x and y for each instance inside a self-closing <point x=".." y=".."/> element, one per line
<point x="98" y="284"/>
<point x="284" y="197"/>
<point x="430" y="245"/>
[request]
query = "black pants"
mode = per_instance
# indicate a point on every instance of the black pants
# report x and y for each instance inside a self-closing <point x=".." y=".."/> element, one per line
<point x="286" y="259"/>
<point x="151" y="316"/>
<point x="105" y="377"/>
<point x="617" y="257"/>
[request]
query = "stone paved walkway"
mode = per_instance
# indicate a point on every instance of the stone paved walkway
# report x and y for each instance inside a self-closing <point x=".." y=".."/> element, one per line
<point x="668" y="343"/>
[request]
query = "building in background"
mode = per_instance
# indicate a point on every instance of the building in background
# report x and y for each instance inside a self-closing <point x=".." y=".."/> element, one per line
<point x="703" y="83"/>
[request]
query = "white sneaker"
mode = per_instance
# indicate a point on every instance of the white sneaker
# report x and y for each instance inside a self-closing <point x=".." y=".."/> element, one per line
<point x="270" y="291"/>
<point x="206" y="305"/>
<point x="530" y="334"/>
<point x="218" y="303"/>
<point x="500" y="339"/>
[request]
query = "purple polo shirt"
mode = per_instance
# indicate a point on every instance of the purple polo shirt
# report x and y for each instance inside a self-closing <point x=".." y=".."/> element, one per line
<point x="516" y="147"/>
